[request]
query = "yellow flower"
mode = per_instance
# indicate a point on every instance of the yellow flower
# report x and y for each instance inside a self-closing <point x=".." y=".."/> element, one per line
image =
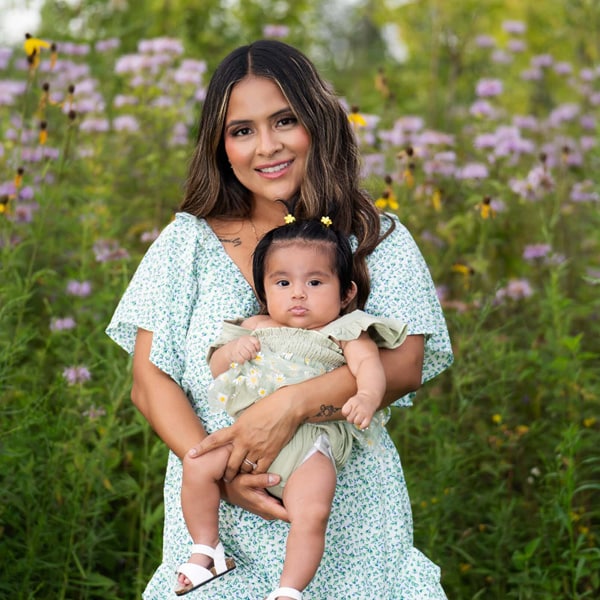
<point x="465" y="567"/>
<point x="19" y="177"/>
<point x="436" y="200"/>
<point x="34" y="45"/>
<point x="356" y="118"/>
<point x="521" y="429"/>
<point x="43" y="133"/>
<point x="326" y="221"/>
<point x="485" y="208"/>
<point x="589" y="422"/>
<point x="497" y="419"/>
<point x="289" y="219"/>
<point x="408" y="175"/>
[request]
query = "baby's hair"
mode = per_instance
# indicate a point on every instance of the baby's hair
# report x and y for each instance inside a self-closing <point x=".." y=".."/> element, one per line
<point x="309" y="231"/>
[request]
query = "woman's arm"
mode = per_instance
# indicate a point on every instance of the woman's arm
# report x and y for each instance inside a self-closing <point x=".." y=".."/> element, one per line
<point x="266" y="426"/>
<point x="169" y="412"/>
<point x="162" y="402"/>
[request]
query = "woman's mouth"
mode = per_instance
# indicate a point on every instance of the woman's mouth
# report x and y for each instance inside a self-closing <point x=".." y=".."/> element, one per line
<point x="274" y="169"/>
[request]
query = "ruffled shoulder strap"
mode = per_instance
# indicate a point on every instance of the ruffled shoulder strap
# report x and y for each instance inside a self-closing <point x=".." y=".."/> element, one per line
<point x="385" y="332"/>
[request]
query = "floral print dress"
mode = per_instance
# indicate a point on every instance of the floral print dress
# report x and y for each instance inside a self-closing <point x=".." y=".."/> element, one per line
<point x="184" y="288"/>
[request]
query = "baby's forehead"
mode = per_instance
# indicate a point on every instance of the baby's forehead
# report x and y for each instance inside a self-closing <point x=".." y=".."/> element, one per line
<point x="320" y="248"/>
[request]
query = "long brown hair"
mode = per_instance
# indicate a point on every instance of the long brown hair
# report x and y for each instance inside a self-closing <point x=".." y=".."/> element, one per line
<point x="332" y="182"/>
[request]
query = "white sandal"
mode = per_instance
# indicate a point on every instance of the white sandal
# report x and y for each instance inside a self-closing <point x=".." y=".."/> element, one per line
<point x="285" y="591"/>
<point x="199" y="575"/>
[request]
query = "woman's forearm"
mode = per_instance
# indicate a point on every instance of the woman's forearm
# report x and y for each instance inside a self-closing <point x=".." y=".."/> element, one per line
<point x="162" y="402"/>
<point x="321" y="399"/>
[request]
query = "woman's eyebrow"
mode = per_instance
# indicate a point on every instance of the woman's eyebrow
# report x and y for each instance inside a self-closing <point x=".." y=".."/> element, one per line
<point x="276" y="114"/>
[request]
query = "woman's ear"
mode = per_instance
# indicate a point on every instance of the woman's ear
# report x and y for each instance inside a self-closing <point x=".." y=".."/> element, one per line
<point x="351" y="294"/>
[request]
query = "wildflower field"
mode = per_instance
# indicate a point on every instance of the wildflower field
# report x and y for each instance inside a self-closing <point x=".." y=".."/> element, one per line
<point x="501" y="453"/>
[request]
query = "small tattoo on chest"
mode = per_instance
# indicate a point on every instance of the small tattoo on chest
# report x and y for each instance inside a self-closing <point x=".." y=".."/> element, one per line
<point x="235" y="241"/>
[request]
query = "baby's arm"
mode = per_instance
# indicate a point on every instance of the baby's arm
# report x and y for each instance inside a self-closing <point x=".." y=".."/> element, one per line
<point x="362" y="356"/>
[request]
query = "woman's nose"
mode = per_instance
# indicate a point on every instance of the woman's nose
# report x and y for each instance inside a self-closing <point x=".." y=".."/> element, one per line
<point x="268" y="143"/>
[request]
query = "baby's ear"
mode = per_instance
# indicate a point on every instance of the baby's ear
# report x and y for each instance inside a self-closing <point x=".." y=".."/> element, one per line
<point x="350" y="295"/>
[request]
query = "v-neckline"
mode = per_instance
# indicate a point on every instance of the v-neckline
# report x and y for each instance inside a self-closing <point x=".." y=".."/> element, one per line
<point x="232" y="262"/>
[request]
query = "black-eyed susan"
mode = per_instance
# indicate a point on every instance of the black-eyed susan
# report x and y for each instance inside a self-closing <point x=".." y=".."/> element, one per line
<point x="68" y="101"/>
<point x="466" y="271"/>
<point x="33" y="48"/>
<point x="43" y="137"/>
<point x="53" y="55"/>
<point x="4" y="200"/>
<point x="485" y="208"/>
<point x="356" y="118"/>
<point x="18" y="180"/>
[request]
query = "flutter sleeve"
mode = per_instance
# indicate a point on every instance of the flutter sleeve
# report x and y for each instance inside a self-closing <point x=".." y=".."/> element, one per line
<point x="402" y="288"/>
<point x="161" y="295"/>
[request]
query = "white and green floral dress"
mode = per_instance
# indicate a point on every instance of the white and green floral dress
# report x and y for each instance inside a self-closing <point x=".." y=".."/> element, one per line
<point x="183" y="290"/>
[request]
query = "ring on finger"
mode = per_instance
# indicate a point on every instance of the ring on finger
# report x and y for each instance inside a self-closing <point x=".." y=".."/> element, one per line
<point x="250" y="463"/>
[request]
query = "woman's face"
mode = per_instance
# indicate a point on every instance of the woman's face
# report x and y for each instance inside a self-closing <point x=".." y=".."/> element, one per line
<point x="265" y="144"/>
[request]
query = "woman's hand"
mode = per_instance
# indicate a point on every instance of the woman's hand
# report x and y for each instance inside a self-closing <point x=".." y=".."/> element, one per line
<point x="261" y="431"/>
<point x="248" y="492"/>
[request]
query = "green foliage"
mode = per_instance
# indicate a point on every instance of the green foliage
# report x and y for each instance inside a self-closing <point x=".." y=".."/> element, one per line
<point x="500" y="452"/>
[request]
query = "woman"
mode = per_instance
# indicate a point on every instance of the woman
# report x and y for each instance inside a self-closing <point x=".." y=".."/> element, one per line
<point x="272" y="129"/>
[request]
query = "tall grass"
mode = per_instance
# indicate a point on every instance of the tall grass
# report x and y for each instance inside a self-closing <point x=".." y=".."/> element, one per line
<point x="500" y="452"/>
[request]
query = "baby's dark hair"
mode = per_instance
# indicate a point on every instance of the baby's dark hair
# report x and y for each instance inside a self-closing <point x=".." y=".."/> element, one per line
<point x="311" y="231"/>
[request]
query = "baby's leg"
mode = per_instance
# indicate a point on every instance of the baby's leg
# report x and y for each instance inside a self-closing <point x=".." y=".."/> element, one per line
<point x="307" y="497"/>
<point x="200" y="497"/>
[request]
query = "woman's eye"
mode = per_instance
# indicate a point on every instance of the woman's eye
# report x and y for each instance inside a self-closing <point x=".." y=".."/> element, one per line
<point x="240" y="132"/>
<point x="287" y="121"/>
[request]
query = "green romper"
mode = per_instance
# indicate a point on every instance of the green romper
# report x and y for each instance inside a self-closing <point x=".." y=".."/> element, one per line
<point x="290" y="355"/>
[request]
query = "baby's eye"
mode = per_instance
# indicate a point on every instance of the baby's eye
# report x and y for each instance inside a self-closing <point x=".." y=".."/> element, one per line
<point x="314" y="282"/>
<point x="283" y="283"/>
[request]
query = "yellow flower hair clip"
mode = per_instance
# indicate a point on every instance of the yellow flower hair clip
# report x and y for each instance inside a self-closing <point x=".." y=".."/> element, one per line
<point x="326" y="221"/>
<point x="289" y="219"/>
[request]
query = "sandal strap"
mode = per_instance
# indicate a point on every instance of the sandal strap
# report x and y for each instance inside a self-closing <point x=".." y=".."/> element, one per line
<point x="285" y="591"/>
<point x="195" y="573"/>
<point x="217" y="554"/>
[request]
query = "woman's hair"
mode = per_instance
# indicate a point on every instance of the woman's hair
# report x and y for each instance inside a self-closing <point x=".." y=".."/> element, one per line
<point x="331" y="185"/>
<point x="311" y="232"/>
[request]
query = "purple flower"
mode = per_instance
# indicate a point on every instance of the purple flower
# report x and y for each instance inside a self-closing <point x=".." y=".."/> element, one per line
<point x="121" y="100"/>
<point x="514" y="27"/>
<point x="94" y="125"/>
<point x="486" y="88"/>
<point x="79" y="288"/>
<point x="107" y="250"/>
<point x="541" y="61"/>
<point x="533" y="74"/>
<point x="276" y="31"/>
<point x="535" y="251"/>
<point x="64" y="324"/>
<point x="126" y="123"/>
<point x="473" y="171"/>
<point x="563" y="113"/>
<point x="501" y="57"/>
<point x="76" y="374"/>
<point x="93" y="412"/>
<point x="583" y="191"/>
<point x="588" y="122"/>
<point x="149" y="236"/>
<point x="485" y="41"/>
<point x="482" y="109"/>
<point x="516" y="45"/>
<point x="516" y="289"/>
<point x="563" y="68"/>
<point x="106" y="45"/>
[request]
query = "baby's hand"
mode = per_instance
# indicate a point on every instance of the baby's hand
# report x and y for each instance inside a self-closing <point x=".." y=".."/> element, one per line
<point x="244" y="348"/>
<point x="360" y="409"/>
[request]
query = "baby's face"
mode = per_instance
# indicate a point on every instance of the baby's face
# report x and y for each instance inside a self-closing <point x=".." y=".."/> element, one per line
<point x="301" y="286"/>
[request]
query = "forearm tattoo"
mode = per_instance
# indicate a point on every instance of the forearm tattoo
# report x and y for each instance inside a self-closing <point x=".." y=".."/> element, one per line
<point x="327" y="411"/>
